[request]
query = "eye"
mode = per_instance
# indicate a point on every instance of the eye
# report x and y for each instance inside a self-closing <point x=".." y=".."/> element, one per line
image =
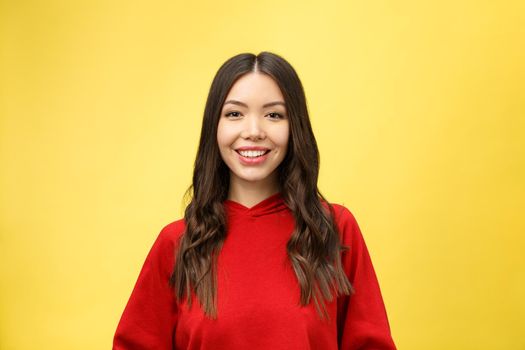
<point x="275" y="115"/>
<point x="232" y="114"/>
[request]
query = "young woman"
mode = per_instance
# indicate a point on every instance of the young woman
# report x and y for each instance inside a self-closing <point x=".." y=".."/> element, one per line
<point x="260" y="260"/>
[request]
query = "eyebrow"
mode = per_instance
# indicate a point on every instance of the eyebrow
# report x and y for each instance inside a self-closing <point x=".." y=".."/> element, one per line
<point x="269" y="104"/>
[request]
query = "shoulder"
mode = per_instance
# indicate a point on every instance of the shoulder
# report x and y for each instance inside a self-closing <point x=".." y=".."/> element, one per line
<point x="170" y="234"/>
<point x="343" y="216"/>
<point x="173" y="230"/>
<point x="161" y="252"/>
<point x="346" y="223"/>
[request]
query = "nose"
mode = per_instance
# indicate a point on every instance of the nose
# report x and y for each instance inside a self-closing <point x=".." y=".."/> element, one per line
<point x="253" y="129"/>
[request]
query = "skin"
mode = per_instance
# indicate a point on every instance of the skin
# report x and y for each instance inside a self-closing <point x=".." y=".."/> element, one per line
<point x="253" y="125"/>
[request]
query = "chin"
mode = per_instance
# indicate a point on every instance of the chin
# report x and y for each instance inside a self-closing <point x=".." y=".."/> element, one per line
<point x="253" y="177"/>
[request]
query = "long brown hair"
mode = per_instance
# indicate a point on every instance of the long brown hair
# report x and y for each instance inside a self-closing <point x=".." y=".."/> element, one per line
<point x="314" y="248"/>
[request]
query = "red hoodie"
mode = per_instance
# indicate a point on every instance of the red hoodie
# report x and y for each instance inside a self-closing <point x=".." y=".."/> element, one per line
<point x="257" y="293"/>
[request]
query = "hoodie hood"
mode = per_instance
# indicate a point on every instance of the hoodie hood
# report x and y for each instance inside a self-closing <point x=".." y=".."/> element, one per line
<point x="270" y="205"/>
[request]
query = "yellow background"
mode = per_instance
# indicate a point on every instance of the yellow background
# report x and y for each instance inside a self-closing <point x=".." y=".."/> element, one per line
<point x="418" y="108"/>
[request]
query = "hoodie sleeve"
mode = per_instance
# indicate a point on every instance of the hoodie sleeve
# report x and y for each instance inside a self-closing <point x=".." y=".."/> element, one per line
<point x="150" y="316"/>
<point x="361" y="317"/>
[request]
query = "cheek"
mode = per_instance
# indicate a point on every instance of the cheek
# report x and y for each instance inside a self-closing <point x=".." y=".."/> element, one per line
<point x="224" y="136"/>
<point x="282" y="137"/>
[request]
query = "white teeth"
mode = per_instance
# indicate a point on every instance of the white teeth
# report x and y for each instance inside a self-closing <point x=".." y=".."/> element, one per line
<point x="252" y="154"/>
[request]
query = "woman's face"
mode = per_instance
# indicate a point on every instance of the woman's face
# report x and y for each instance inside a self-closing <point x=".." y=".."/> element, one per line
<point x="253" y="130"/>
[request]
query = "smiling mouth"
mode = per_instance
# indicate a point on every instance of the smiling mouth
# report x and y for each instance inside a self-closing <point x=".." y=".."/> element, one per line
<point x="252" y="154"/>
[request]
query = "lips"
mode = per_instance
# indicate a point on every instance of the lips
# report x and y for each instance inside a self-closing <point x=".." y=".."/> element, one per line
<point x="252" y="151"/>
<point x="252" y="148"/>
<point x="251" y="158"/>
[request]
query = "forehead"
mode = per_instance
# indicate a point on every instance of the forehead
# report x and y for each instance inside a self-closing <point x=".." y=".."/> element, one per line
<point x="253" y="87"/>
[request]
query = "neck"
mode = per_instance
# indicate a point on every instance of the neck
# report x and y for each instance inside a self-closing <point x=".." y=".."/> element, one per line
<point x="249" y="193"/>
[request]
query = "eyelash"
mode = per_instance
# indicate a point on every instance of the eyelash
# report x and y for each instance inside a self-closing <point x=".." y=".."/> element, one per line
<point x="280" y="116"/>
